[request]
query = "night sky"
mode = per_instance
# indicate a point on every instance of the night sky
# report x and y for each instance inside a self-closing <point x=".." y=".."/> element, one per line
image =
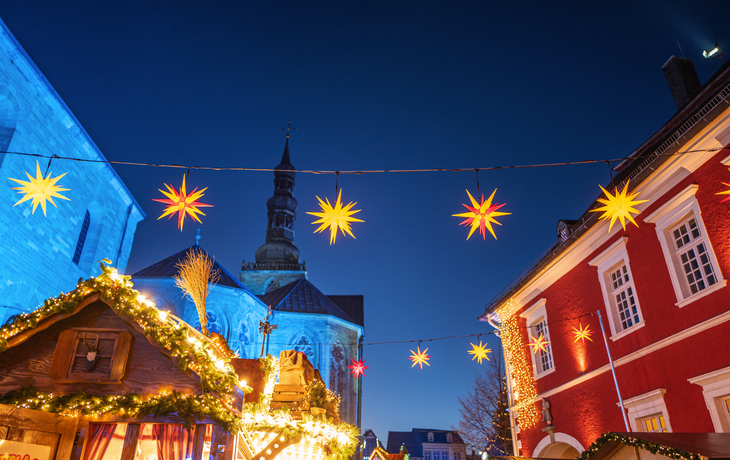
<point x="373" y="85"/>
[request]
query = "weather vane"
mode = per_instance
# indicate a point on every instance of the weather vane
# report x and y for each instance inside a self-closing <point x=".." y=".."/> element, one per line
<point x="288" y="128"/>
<point x="266" y="329"/>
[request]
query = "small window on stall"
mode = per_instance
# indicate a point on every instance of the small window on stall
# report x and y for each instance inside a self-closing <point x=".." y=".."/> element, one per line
<point x="105" y="441"/>
<point x="165" y="442"/>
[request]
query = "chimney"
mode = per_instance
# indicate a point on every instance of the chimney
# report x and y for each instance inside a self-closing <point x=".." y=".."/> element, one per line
<point x="683" y="80"/>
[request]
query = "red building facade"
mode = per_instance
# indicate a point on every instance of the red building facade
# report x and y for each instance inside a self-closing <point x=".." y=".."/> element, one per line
<point x="660" y="289"/>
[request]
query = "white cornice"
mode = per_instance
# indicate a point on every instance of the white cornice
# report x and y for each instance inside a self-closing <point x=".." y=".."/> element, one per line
<point x="672" y="204"/>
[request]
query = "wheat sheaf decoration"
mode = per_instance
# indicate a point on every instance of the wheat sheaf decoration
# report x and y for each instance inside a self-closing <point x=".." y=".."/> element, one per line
<point x="195" y="277"/>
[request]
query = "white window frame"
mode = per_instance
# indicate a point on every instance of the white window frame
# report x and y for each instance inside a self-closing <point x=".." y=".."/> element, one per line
<point x="679" y="208"/>
<point x="534" y="315"/>
<point x="716" y="389"/>
<point x="607" y="262"/>
<point x="646" y="405"/>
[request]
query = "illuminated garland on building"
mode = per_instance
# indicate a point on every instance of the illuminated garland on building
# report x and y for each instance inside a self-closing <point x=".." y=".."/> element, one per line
<point x="652" y="447"/>
<point x="523" y="383"/>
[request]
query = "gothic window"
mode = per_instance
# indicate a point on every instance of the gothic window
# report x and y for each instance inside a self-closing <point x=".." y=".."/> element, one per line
<point x="8" y="118"/>
<point x="302" y="345"/>
<point x="337" y="367"/>
<point x="243" y="335"/>
<point x="213" y="325"/>
<point x="82" y="238"/>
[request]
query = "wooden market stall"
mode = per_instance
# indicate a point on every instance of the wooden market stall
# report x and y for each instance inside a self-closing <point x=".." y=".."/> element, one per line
<point x="101" y="374"/>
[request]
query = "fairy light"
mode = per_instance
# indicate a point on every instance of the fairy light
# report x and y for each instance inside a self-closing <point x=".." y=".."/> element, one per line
<point x="520" y="371"/>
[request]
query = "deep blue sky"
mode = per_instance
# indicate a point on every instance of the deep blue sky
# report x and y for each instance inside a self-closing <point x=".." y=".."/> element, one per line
<point x="373" y="85"/>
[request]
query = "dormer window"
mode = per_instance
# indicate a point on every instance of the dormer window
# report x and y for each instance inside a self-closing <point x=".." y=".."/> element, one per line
<point x="430" y="437"/>
<point x="449" y="437"/>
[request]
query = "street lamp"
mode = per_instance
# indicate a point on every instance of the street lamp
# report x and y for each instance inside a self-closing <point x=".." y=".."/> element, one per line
<point x="714" y="52"/>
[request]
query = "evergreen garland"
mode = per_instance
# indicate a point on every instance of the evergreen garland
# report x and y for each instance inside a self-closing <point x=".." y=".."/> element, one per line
<point x="652" y="447"/>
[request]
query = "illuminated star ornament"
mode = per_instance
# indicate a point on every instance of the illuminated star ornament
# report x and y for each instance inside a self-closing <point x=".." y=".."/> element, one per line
<point x="336" y="218"/>
<point x="539" y="343"/>
<point x="40" y="189"/>
<point x="482" y="215"/>
<point x="725" y="192"/>
<point x="581" y="333"/>
<point x="619" y="206"/>
<point x="479" y="352"/>
<point x="419" y="357"/>
<point x="181" y="203"/>
<point x="358" y="367"/>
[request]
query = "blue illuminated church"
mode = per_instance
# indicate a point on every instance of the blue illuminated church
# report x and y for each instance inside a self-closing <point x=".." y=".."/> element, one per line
<point x="44" y="255"/>
<point x="328" y="329"/>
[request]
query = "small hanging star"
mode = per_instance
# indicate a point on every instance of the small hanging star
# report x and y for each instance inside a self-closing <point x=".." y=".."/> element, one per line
<point x="182" y="203"/>
<point x="539" y="343"/>
<point x="419" y="358"/>
<point x="40" y="189"/>
<point x="336" y="218"/>
<point x="581" y="333"/>
<point x="619" y="206"/>
<point x="481" y="215"/>
<point x="358" y="367"/>
<point x="725" y="192"/>
<point x="479" y="351"/>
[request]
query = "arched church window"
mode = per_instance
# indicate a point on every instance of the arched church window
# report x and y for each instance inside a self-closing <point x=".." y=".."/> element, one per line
<point x="303" y="345"/>
<point x="271" y="285"/>
<point x="82" y="238"/>
<point x="337" y="369"/>
<point x="213" y="325"/>
<point x="8" y="119"/>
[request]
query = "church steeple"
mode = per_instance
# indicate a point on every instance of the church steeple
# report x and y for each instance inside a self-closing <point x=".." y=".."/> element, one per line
<point x="282" y="212"/>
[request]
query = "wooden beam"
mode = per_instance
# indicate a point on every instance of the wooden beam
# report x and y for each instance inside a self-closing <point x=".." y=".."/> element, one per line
<point x="130" y="441"/>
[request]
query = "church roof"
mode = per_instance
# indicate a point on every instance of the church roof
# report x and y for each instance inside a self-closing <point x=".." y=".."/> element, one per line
<point x="167" y="268"/>
<point x="302" y="297"/>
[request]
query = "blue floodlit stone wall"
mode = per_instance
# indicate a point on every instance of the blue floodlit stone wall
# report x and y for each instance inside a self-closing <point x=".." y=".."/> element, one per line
<point x="37" y="252"/>
<point x="328" y="342"/>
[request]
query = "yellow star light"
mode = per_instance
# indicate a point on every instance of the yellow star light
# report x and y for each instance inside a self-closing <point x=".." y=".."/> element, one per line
<point x="582" y="333"/>
<point x="619" y="206"/>
<point x="182" y="203"/>
<point x="479" y="351"/>
<point x="419" y="358"/>
<point x="726" y="192"/>
<point x="40" y="189"/>
<point x="337" y="217"/>
<point x="539" y="343"/>
<point x="481" y="215"/>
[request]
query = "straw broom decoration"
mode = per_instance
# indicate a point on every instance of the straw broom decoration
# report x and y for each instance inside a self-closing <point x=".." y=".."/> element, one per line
<point x="195" y="273"/>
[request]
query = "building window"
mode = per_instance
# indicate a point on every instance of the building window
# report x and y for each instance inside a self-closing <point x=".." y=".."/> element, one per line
<point x="648" y="412"/>
<point x="82" y="238"/>
<point x="687" y="250"/>
<point x="430" y="437"/>
<point x="457" y="456"/>
<point x="619" y="291"/>
<point x="85" y="355"/>
<point x="444" y="455"/>
<point x="653" y="424"/>
<point x="692" y="254"/>
<point x="716" y="391"/>
<point x="449" y="437"/>
<point x="536" y="319"/>
<point x="436" y="455"/>
<point x="427" y="455"/>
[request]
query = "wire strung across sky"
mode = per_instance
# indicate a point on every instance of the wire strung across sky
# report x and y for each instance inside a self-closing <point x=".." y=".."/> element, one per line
<point x="353" y="172"/>
<point x="433" y="339"/>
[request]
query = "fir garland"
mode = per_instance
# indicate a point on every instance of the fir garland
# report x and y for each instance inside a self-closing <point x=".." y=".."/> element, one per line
<point x="652" y="447"/>
<point x="189" y="407"/>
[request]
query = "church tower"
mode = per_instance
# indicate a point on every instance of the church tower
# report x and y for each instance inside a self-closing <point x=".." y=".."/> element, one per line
<point x="277" y="261"/>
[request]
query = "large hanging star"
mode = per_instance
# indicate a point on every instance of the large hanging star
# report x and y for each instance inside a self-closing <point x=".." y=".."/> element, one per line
<point x="539" y="343"/>
<point x="182" y="203"/>
<point x="40" y="189"/>
<point x="479" y="351"/>
<point x="481" y="215"/>
<point x="581" y="334"/>
<point x="358" y="367"/>
<point x="619" y="206"/>
<point x="419" y="358"/>
<point x="337" y="217"/>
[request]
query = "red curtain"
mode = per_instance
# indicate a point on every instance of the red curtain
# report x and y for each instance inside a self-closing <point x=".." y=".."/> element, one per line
<point x="99" y="437"/>
<point x="174" y="442"/>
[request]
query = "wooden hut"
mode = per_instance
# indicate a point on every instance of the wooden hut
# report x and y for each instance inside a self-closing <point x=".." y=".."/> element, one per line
<point x="101" y="374"/>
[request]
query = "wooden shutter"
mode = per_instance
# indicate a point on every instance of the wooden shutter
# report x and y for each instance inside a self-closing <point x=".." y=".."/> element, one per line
<point x="120" y="356"/>
<point x="63" y="354"/>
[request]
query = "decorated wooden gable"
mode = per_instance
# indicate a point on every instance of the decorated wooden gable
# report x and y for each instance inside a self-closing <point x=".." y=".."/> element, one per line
<point x="101" y="374"/>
